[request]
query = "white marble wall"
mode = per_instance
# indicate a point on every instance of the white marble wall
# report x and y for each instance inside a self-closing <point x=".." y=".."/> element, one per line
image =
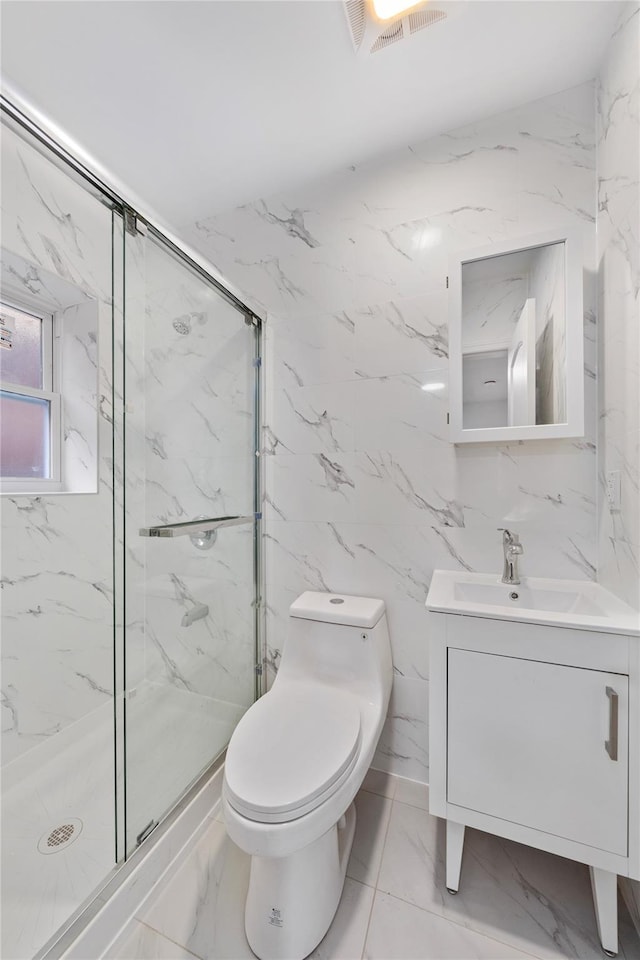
<point x="57" y="589"/>
<point x="365" y="494"/>
<point x="619" y="304"/>
<point x="618" y="128"/>
<point x="79" y="388"/>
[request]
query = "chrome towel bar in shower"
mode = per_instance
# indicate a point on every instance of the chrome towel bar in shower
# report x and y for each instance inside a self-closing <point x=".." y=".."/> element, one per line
<point x="189" y="527"/>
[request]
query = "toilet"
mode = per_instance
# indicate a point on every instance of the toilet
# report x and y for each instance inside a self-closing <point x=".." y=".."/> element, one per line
<point x="295" y="763"/>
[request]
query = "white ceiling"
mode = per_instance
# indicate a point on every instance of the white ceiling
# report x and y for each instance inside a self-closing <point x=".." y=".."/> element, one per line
<point x="199" y="106"/>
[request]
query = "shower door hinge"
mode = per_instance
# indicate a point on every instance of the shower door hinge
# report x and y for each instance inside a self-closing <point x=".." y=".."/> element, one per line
<point x="133" y="224"/>
<point x="258" y="669"/>
<point x="251" y="320"/>
<point x="447" y="279"/>
<point x="257" y="362"/>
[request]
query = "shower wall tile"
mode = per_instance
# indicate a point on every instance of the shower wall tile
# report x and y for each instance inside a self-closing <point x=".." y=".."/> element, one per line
<point x="79" y="363"/>
<point x="57" y="577"/>
<point x="618" y="128"/>
<point x="213" y="656"/>
<point x="364" y="492"/>
<point x="53" y="223"/>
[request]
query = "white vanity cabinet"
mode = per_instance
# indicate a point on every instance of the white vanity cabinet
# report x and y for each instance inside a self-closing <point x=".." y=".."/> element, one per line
<point x="534" y="735"/>
<point x="527" y="742"/>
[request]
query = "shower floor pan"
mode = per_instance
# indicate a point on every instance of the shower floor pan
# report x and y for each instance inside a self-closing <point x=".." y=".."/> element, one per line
<point x="58" y="808"/>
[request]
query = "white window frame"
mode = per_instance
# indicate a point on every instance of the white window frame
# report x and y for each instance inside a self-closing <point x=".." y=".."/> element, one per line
<point x="51" y="386"/>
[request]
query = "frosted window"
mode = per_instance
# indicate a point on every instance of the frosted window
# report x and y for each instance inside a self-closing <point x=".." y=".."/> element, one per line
<point x="21" y="348"/>
<point x="24" y="436"/>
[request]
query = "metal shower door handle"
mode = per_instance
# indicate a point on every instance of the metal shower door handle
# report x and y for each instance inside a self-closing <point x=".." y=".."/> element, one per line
<point x="197" y="527"/>
<point x="611" y="745"/>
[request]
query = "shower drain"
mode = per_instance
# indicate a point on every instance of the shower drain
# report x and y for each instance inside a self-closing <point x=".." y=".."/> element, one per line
<point x="60" y="837"/>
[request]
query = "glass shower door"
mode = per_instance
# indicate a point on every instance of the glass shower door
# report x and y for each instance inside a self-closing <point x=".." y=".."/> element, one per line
<point x="190" y="593"/>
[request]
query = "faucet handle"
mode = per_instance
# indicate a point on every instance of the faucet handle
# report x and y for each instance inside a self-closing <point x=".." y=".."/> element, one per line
<point x="513" y="539"/>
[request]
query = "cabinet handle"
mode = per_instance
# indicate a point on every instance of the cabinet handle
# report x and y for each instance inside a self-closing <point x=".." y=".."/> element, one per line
<point x="611" y="745"/>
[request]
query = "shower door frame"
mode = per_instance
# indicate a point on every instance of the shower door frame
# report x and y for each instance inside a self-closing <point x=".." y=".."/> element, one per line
<point x="131" y="220"/>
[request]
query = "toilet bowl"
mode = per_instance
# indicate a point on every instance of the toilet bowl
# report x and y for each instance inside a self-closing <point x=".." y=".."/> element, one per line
<point x="295" y="763"/>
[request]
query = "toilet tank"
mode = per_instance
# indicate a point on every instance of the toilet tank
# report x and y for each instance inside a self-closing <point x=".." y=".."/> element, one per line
<point x="339" y="639"/>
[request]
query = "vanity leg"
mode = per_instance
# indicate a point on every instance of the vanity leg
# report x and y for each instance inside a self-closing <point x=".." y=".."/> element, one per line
<point x="605" y="900"/>
<point x="455" y="842"/>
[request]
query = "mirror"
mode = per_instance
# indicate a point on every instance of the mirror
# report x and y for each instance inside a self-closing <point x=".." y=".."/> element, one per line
<point x="516" y="347"/>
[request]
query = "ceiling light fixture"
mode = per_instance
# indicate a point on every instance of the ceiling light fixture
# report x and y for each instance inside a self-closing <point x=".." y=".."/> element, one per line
<point x="390" y="9"/>
<point x="378" y="24"/>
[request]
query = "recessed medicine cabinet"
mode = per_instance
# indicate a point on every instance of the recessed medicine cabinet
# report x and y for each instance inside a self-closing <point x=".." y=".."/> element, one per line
<point x="516" y="340"/>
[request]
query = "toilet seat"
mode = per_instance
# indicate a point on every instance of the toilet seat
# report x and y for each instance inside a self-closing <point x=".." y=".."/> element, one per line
<point x="292" y="749"/>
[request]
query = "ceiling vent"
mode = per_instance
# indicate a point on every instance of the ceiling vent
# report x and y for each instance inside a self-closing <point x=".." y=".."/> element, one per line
<point x="370" y="35"/>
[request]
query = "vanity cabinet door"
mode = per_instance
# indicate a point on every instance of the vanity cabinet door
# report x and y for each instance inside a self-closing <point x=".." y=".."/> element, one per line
<point x="533" y="743"/>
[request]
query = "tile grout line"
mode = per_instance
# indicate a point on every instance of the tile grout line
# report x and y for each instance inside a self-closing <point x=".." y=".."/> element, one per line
<point x="170" y="939"/>
<point x="424" y="910"/>
<point x="375" y="886"/>
<point x="462" y="926"/>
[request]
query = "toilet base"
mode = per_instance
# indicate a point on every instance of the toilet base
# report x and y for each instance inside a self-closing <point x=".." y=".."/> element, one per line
<point x="292" y="900"/>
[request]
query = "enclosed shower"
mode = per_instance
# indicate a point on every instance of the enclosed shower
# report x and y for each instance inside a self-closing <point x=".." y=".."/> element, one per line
<point x="131" y="602"/>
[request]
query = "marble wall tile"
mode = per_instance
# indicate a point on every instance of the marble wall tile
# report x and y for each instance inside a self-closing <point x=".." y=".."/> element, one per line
<point x="313" y="419"/>
<point x="311" y="354"/>
<point x="403" y="747"/>
<point x="365" y="494"/>
<point x="53" y="222"/>
<point x="618" y="131"/>
<point x="407" y="336"/>
<point x="57" y="549"/>
<point x="79" y="388"/>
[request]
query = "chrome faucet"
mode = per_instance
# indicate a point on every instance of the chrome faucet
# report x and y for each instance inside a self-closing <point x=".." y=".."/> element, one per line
<point x="512" y="550"/>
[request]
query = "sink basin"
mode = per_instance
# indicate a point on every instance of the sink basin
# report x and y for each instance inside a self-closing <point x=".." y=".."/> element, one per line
<point x="529" y="596"/>
<point x="569" y="603"/>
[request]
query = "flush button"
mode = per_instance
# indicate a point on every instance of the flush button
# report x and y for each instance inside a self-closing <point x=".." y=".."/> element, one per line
<point x="336" y="600"/>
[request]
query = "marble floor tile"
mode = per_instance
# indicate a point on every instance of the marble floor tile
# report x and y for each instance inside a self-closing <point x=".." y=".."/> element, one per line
<point x="372" y="819"/>
<point x="201" y="904"/>
<point x="202" y="907"/>
<point x="400" y="931"/>
<point x="377" y="781"/>
<point x="346" y="935"/>
<point x="413" y="792"/>
<point x="536" y="902"/>
<point x="139" y="942"/>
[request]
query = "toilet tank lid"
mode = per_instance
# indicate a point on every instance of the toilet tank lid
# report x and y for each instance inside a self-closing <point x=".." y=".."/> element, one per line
<point x="338" y="608"/>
